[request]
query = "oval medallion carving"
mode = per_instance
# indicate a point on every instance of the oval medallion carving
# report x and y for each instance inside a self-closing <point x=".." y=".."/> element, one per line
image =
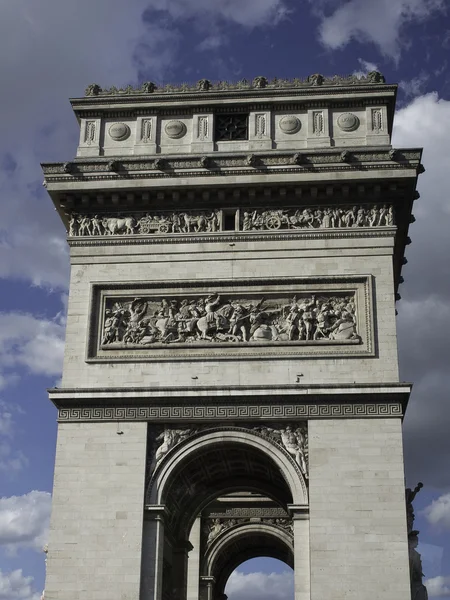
<point x="119" y="131"/>
<point x="290" y="124"/>
<point x="175" y="129"/>
<point x="348" y="122"/>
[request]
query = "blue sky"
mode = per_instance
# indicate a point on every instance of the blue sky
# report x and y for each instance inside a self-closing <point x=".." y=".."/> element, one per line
<point x="50" y="51"/>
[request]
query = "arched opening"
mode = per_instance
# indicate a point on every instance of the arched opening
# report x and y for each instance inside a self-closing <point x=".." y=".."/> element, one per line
<point x="225" y="498"/>
<point x="261" y="579"/>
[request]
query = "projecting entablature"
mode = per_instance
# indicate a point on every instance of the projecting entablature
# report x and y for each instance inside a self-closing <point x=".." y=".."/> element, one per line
<point x="263" y="115"/>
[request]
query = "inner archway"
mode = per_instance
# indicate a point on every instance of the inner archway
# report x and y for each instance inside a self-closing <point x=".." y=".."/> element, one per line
<point x="261" y="578"/>
<point x="218" y="499"/>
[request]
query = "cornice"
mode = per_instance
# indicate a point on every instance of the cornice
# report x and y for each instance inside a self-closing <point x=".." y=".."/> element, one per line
<point x="260" y="86"/>
<point x="226" y="237"/>
<point x="220" y="164"/>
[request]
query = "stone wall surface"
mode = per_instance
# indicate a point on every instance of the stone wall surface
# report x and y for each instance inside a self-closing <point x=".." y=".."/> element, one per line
<point x="96" y="524"/>
<point x="131" y="264"/>
<point x="358" y="538"/>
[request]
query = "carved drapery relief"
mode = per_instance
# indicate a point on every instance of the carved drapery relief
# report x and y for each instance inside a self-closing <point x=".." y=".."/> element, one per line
<point x="202" y="132"/>
<point x="260" y="125"/>
<point x="89" y="132"/>
<point x="260" y="219"/>
<point x="317" y="218"/>
<point x="216" y="526"/>
<point x="377" y="120"/>
<point x="318" y="123"/>
<point x="146" y="131"/>
<point x="149" y="321"/>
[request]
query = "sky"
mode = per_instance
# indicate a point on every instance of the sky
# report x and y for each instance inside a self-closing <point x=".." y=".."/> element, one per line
<point x="51" y="50"/>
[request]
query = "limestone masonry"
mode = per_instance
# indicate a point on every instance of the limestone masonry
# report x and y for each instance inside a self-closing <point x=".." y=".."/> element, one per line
<point x="230" y="386"/>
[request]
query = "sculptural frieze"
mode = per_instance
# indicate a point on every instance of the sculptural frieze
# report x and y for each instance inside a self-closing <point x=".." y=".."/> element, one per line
<point x="294" y="439"/>
<point x="146" y="224"/>
<point x="318" y="217"/>
<point x="210" y="221"/>
<point x="214" y="527"/>
<point x="199" y="319"/>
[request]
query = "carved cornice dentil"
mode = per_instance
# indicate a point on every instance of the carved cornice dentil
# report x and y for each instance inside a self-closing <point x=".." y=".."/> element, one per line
<point x="258" y="83"/>
<point x="167" y="166"/>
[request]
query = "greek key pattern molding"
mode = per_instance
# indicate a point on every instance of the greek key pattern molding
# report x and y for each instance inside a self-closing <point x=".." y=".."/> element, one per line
<point x="208" y="413"/>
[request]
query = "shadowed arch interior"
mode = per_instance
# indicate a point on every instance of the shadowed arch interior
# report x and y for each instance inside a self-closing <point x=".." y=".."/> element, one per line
<point x="245" y="543"/>
<point x="216" y="469"/>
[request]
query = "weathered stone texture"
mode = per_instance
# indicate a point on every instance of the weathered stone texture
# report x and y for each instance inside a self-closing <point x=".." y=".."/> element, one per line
<point x="96" y="525"/>
<point x="110" y="264"/>
<point x="357" y="510"/>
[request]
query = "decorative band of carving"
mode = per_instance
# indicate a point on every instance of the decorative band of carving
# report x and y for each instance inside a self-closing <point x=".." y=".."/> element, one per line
<point x="179" y="222"/>
<point x="209" y="413"/>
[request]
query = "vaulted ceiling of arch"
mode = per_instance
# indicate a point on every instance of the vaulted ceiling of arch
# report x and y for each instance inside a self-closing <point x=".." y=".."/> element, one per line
<point x="216" y="470"/>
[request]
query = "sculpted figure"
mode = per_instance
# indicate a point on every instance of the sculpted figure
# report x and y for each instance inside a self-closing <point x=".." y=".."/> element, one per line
<point x="344" y="328"/>
<point x="390" y="216"/>
<point x="292" y="321"/>
<point x="308" y="316"/>
<point x="96" y="225"/>
<point x="169" y="438"/>
<point x="294" y="443"/>
<point x="85" y="226"/>
<point x="238" y="321"/>
<point x="350" y="217"/>
<point x="73" y="225"/>
<point x="418" y="590"/>
<point x="216" y="528"/>
<point x="409" y="499"/>
<point x="134" y="330"/>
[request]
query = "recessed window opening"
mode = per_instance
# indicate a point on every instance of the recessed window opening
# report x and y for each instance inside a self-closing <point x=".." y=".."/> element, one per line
<point x="229" y="221"/>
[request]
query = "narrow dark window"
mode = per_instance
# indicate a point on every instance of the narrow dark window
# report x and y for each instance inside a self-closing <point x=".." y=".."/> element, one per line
<point x="231" y="127"/>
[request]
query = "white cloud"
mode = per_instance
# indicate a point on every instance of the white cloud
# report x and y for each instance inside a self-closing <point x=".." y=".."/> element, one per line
<point x="11" y="459"/>
<point x="260" y="586"/>
<point x="43" y="63"/>
<point x="415" y="86"/>
<point x="438" y="586"/>
<point x="424" y="311"/>
<point x="365" y="67"/>
<point x="15" y="586"/>
<point x="379" y="22"/>
<point x="438" y="512"/>
<point x="24" y="521"/>
<point x="248" y="13"/>
<point x="27" y="341"/>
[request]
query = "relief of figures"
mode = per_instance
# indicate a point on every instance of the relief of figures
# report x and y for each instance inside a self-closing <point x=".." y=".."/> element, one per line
<point x="214" y="527"/>
<point x="308" y="319"/>
<point x="317" y="218"/>
<point x="294" y="440"/>
<point x="164" y="223"/>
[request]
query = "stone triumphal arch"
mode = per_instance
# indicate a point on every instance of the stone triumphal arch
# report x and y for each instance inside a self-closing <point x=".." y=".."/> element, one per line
<point x="230" y="386"/>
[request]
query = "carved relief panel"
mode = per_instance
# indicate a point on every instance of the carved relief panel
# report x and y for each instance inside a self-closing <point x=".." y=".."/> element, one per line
<point x="262" y="318"/>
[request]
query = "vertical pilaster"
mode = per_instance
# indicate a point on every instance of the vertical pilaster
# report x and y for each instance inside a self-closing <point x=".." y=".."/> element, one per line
<point x="152" y="554"/>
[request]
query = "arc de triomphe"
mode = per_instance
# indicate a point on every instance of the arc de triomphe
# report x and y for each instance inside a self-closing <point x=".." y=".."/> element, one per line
<point x="230" y="384"/>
